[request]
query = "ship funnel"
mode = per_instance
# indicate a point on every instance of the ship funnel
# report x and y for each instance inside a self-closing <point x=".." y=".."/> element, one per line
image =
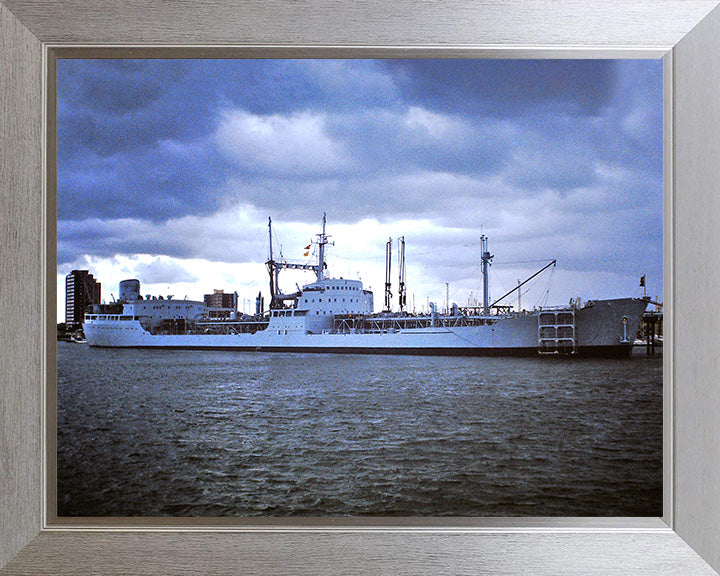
<point x="129" y="290"/>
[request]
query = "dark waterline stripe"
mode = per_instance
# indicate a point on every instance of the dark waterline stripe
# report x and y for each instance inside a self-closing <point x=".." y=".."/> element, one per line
<point x="619" y="351"/>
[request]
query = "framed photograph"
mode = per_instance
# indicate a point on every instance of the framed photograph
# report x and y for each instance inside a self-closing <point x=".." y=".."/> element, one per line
<point x="643" y="545"/>
<point x="375" y="359"/>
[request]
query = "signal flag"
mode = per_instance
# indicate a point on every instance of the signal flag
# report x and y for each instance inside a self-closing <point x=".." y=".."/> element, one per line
<point x="642" y="280"/>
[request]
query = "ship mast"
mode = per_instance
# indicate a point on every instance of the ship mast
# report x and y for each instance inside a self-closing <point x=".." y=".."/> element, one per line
<point x="486" y="257"/>
<point x="388" y="265"/>
<point x="274" y="267"/>
<point x="402" y="296"/>
<point x="322" y="241"/>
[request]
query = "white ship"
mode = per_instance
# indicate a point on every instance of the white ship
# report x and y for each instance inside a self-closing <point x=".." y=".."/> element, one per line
<point x="337" y="315"/>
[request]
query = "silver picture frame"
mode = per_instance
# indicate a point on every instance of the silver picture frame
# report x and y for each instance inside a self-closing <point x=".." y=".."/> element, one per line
<point x="685" y="541"/>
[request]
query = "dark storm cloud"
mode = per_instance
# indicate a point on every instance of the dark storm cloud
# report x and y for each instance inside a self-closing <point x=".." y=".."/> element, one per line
<point x="110" y="105"/>
<point x="506" y="87"/>
<point x="111" y="237"/>
<point x="239" y="237"/>
<point x="152" y="153"/>
<point x="121" y="122"/>
<point x="412" y="139"/>
<point x="114" y="117"/>
<point x="169" y="179"/>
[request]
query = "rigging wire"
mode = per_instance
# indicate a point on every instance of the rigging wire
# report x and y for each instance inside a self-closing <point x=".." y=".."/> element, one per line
<point x="528" y="288"/>
<point x="505" y="262"/>
<point x="497" y="278"/>
<point x="551" y="277"/>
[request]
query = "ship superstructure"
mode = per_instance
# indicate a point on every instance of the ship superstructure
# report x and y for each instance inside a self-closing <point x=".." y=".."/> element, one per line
<point x="337" y="315"/>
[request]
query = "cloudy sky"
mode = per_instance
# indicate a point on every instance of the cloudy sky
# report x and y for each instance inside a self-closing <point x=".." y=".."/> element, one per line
<point x="169" y="169"/>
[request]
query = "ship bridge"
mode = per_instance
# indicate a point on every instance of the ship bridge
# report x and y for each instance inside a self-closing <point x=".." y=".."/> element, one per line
<point x="335" y="296"/>
<point x="319" y="303"/>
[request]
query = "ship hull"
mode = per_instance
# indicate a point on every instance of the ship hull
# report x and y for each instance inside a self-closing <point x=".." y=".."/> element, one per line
<point x="606" y="328"/>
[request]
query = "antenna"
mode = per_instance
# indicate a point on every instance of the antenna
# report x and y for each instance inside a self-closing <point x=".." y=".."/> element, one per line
<point x="402" y="293"/>
<point x="388" y="265"/>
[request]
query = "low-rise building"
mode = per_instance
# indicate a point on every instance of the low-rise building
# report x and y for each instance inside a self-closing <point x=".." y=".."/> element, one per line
<point x="221" y="305"/>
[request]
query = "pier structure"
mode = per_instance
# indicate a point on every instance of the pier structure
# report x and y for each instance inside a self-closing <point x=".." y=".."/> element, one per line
<point x="651" y="331"/>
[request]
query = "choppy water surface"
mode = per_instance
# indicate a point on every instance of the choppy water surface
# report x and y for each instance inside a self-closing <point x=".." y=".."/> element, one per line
<point x="192" y="433"/>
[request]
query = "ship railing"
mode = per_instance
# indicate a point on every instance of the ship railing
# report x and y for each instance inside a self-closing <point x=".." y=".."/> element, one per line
<point x="378" y="324"/>
<point x="110" y="317"/>
<point x="555" y="308"/>
<point x="228" y="327"/>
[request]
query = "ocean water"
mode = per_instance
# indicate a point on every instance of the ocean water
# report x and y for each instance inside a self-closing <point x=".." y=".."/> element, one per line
<point x="204" y="433"/>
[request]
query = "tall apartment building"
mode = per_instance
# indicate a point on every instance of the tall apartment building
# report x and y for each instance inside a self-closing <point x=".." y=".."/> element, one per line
<point x="81" y="291"/>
